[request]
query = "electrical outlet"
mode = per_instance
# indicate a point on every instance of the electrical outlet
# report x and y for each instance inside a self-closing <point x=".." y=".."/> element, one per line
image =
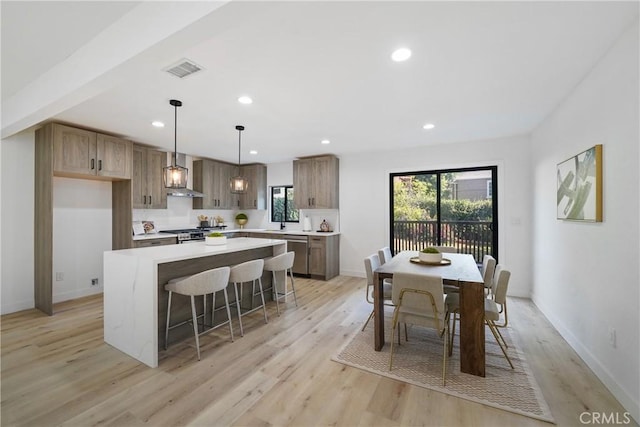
<point x="612" y="337"/>
<point x="59" y="276"/>
<point x="94" y="282"/>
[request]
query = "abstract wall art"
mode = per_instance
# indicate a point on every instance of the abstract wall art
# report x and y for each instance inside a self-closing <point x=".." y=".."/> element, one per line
<point x="580" y="186"/>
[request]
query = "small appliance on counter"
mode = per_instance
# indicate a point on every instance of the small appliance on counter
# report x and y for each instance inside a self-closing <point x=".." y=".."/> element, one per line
<point x="306" y="224"/>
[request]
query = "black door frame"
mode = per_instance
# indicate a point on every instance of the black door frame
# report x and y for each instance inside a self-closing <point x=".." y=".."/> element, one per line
<point x="438" y="173"/>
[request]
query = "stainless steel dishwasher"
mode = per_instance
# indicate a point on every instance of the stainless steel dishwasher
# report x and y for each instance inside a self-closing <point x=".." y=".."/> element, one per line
<point x="299" y="245"/>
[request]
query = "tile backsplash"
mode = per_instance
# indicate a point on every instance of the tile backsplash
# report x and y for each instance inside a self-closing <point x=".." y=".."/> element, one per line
<point x="180" y="214"/>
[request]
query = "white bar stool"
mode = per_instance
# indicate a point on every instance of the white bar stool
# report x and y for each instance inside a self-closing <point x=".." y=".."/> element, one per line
<point x="282" y="262"/>
<point x="207" y="282"/>
<point x="249" y="271"/>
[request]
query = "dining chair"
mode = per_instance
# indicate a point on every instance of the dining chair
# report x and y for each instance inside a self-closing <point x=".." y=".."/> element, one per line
<point x="488" y="270"/>
<point x="385" y="254"/>
<point x="419" y="300"/>
<point x="371" y="263"/>
<point x="200" y="284"/>
<point x="491" y="309"/>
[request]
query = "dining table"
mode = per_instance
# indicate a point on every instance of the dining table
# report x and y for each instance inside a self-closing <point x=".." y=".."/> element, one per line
<point x="457" y="270"/>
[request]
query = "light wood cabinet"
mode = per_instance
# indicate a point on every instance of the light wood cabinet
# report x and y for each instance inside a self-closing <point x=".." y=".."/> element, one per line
<point x="66" y="151"/>
<point x="86" y="154"/>
<point x="147" y="186"/>
<point x="161" y="241"/>
<point x="316" y="182"/>
<point x="256" y="195"/>
<point x="211" y="178"/>
<point x="324" y="256"/>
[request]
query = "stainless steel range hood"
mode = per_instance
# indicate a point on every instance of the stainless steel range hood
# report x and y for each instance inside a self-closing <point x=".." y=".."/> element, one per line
<point x="181" y="159"/>
<point x="183" y="192"/>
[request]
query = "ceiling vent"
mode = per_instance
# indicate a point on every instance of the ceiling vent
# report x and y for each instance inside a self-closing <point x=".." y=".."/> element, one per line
<point x="183" y="68"/>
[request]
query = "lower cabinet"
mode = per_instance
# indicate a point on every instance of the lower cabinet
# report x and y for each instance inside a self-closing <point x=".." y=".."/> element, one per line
<point x="147" y="243"/>
<point x="324" y="257"/>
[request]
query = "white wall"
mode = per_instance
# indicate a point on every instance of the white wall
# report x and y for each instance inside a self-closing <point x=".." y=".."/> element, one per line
<point x="364" y="199"/>
<point x="586" y="275"/>
<point x="81" y="234"/>
<point x="16" y="222"/>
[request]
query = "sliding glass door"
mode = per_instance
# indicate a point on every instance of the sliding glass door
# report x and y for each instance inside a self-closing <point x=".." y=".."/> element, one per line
<point x="453" y="207"/>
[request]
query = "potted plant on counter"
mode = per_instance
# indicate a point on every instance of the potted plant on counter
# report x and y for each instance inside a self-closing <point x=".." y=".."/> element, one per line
<point x="241" y="219"/>
<point x="430" y="255"/>
<point x="215" y="238"/>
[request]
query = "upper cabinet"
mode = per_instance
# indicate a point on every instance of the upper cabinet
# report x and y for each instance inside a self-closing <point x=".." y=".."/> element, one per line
<point x="147" y="187"/>
<point x="256" y="195"/>
<point x="212" y="179"/>
<point x="315" y="182"/>
<point x="87" y="154"/>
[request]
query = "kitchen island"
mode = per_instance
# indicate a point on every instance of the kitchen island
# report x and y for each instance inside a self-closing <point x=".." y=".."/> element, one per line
<point x="135" y="302"/>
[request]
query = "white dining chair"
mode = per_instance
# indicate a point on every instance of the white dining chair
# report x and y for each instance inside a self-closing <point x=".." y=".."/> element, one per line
<point x="371" y="263"/>
<point x="419" y="300"/>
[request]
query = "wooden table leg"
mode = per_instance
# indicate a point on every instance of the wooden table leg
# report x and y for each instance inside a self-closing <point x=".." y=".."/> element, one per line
<point x="472" y="357"/>
<point x="378" y="316"/>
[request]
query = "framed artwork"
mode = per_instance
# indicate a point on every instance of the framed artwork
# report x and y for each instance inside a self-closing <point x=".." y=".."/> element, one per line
<point x="580" y="186"/>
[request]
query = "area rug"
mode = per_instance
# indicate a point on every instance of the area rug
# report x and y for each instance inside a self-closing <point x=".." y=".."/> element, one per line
<point x="419" y="362"/>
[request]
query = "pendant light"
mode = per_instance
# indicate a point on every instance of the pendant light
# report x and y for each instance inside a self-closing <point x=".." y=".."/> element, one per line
<point x="239" y="184"/>
<point x="175" y="176"/>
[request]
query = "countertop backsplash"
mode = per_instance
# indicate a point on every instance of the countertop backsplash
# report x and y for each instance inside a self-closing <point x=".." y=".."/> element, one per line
<point x="180" y="214"/>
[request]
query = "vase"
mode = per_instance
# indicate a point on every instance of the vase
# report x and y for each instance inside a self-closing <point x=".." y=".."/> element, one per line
<point x="430" y="258"/>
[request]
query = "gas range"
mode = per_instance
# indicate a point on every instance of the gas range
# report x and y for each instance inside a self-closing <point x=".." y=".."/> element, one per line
<point x="188" y="235"/>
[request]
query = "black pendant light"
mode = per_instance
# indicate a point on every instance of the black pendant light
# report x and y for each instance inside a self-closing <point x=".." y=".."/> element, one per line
<point x="175" y="176"/>
<point x="238" y="183"/>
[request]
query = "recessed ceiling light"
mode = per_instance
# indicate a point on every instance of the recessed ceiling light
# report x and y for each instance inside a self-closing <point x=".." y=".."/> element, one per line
<point x="428" y="126"/>
<point x="401" y="54"/>
<point x="157" y="124"/>
<point x="325" y="141"/>
<point x="245" y="100"/>
<point x="253" y="152"/>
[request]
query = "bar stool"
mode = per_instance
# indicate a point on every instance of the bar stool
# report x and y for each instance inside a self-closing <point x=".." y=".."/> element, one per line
<point x="249" y="271"/>
<point x="282" y="262"/>
<point x="207" y="282"/>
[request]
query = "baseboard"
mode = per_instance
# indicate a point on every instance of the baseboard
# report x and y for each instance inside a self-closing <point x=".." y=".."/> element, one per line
<point x="353" y="273"/>
<point x="79" y="293"/>
<point x="592" y="362"/>
<point x="17" y="306"/>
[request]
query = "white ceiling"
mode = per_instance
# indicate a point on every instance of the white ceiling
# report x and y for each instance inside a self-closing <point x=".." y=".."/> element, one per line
<point x="316" y="70"/>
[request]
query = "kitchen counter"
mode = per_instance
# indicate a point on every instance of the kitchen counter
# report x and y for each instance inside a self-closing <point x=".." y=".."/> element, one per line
<point x="153" y="236"/>
<point x="134" y="292"/>
<point x="280" y="232"/>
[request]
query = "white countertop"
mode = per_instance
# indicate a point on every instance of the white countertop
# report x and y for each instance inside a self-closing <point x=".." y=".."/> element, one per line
<point x="170" y="253"/>
<point x="248" y="230"/>
<point x="281" y="232"/>
<point x="153" y="236"/>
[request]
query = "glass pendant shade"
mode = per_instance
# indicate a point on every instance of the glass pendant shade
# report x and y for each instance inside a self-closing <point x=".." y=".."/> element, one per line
<point x="239" y="184"/>
<point x="175" y="176"/>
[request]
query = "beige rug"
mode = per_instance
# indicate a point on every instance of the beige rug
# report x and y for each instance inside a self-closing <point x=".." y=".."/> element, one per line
<point x="419" y="362"/>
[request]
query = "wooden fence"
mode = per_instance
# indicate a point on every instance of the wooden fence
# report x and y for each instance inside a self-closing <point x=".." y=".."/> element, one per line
<point x="469" y="237"/>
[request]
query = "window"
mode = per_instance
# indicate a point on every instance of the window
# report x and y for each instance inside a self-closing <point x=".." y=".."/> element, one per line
<point x="447" y="207"/>
<point x="282" y="207"/>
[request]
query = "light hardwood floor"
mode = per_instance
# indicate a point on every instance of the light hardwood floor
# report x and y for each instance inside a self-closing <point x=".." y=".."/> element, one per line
<point x="58" y="371"/>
